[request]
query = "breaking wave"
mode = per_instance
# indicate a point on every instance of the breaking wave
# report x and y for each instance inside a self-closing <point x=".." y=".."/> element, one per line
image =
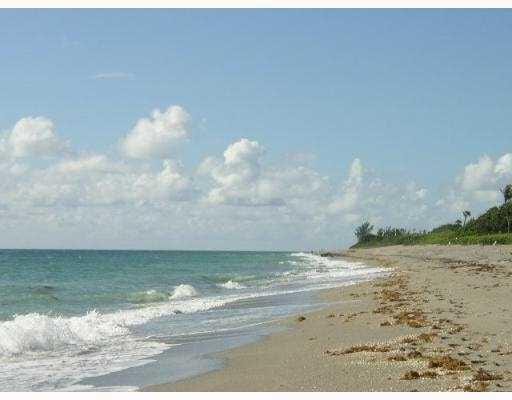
<point x="80" y="345"/>
<point x="231" y="285"/>
<point x="183" y="292"/>
<point x="42" y="333"/>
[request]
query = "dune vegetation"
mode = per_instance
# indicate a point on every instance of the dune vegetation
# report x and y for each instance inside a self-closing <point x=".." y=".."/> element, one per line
<point x="492" y="227"/>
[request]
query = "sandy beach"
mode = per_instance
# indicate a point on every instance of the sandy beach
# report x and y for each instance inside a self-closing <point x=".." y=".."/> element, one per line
<point x="439" y="322"/>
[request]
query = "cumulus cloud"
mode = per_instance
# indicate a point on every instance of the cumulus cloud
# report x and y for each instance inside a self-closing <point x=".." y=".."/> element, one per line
<point x="95" y="163"/>
<point x="503" y="166"/>
<point x="169" y="184"/>
<point x="239" y="194"/>
<point x="414" y="192"/>
<point x="478" y="175"/>
<point x="4" y="149"/>
<point x="241" y="179"/>
<point x="95" y="180"/>
<point x="366" y="196"/>
<point x="33" y="137"/>
<point x="479" y="184"/>
<point x="157" y="137"/>
<point x="247" y="200"/>
<point x="453" y="202"/>
<point x="237" y="177"/>
<point x="351" y="189"/>
<point x="486" y="173"/>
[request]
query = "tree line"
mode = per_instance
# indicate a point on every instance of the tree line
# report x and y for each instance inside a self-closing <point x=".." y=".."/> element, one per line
<point x="496" y="220"/>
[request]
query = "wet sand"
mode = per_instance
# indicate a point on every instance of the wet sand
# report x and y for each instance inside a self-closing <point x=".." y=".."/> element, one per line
<point x="442" y="321"/>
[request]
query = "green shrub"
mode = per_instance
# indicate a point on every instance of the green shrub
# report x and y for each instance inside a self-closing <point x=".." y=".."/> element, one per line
<point x="494" y="220"/>
<point x="493" y="226"/>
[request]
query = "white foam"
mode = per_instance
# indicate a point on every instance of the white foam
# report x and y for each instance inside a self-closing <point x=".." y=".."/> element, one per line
<point x="61" y="370"/>
<point x="183" y="292"/>
<point x="41" y="352"/>
<point x="318" y="268"/>
<point x="45" y="352"/>
<point x="316" y="260"/>
<point x="37" y="332"/>
<point x="231" y="285"/>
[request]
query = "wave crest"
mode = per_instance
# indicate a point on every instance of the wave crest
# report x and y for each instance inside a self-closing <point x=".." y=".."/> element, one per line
<point x="183" y="292"/>
<point x="42" y="333"/>
<point x="231" y="285"/>
<point x="36" y="332"/>
<point x="149" y="296"/>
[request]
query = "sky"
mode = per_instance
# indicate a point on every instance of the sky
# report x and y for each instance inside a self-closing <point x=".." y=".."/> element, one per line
<point x="248" y="129"/>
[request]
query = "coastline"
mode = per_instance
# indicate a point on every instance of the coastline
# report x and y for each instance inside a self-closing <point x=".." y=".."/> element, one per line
<point x="440" y="321"/>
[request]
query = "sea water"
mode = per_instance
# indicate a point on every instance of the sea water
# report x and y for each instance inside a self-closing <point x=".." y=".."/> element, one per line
<point x="71" y="315"/>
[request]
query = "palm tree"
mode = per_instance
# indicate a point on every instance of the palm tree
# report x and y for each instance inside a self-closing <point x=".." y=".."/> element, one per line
<point x="466" y="214"/>
<point x="363" y="231"/>
<point x="507" y="193"/>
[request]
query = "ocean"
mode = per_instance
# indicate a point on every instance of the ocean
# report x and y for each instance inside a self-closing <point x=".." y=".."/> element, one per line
<point x="70" y="319"/>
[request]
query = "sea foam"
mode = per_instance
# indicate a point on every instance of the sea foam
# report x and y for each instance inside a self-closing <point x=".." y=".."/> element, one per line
<point x="42" y="333"/>
<point x="231" y="285"/>
<point x="183" y="292"/>
<point x="95" y="342"/>
<point x="38" y="332"/>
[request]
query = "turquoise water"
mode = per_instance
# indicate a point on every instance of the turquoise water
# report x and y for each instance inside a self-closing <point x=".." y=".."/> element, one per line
<point x="72" y="282"/>
<point x="67" y="315"/>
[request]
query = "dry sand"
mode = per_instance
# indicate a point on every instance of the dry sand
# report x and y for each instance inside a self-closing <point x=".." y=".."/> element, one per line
<point x="440" y="322"/>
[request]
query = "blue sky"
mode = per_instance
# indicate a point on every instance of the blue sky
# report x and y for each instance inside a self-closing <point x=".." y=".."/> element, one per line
<point x="415" y="95"/>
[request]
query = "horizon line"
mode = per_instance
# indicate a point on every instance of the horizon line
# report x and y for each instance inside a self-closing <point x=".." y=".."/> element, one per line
<point x="176" y="250"/>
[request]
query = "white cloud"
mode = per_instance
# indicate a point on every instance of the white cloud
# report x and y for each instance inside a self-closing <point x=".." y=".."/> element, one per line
<point x="454" y="203"/>
<point x="478" y="185"/>
<point x="150" y="200"/>
<point x="486" y="173"/>
<point x="237" y="176"/>
<point x="503" y="166"/>
<point x="4" y="149"/>
<point x="94" y="180"/>
<point x="169" y="184"/>
<point x="243" y="152"/>
<point x="95" y="163"/>
<point x="241" y="179"/>
<point x="158" y="136"/>
<point x="478" y="175"/>
<point x="351" y="189"/>
<point x="33" y="137"/>
<point x="365" y="196"/>
<point x="206" y="166"/>
<point x="487" y="196"/>
<point x="413" y="192"/>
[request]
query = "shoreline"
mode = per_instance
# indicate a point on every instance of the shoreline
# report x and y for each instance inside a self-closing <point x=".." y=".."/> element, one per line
<point x="439" y="322"/>
<point x="325" y="299"/>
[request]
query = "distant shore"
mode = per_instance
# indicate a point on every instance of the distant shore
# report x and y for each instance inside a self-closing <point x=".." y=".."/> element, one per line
<point x="440" y="321"/>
